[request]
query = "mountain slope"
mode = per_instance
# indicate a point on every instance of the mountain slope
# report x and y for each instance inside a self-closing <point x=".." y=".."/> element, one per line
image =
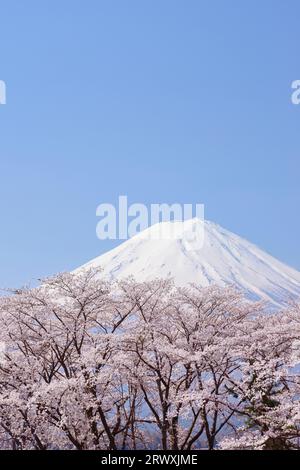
<point x="224" y="258"/>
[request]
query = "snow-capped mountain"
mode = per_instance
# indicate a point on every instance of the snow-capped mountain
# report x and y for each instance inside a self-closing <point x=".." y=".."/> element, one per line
<point x="220" y="258"/>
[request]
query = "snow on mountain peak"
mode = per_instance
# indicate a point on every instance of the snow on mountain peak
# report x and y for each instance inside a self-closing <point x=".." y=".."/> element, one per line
<point x="204" y="253"/>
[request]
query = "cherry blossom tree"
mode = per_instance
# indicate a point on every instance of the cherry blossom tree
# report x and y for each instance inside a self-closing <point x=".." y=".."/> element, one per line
<point x="268" y="384"/>
<point x="92" y="364"/>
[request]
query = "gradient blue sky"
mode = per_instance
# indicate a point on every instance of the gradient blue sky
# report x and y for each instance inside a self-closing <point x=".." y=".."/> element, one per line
<point x="162" y="100"/>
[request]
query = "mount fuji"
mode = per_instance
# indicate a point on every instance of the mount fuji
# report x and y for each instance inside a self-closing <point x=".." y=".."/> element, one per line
<point x="219" y="257"/>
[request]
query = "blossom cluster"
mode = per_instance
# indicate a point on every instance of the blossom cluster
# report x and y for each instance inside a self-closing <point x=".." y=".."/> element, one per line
<point x="92" y="364"/>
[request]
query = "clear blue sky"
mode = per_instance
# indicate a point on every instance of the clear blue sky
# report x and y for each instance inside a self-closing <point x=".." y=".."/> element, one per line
<point x="162" y="100"/>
